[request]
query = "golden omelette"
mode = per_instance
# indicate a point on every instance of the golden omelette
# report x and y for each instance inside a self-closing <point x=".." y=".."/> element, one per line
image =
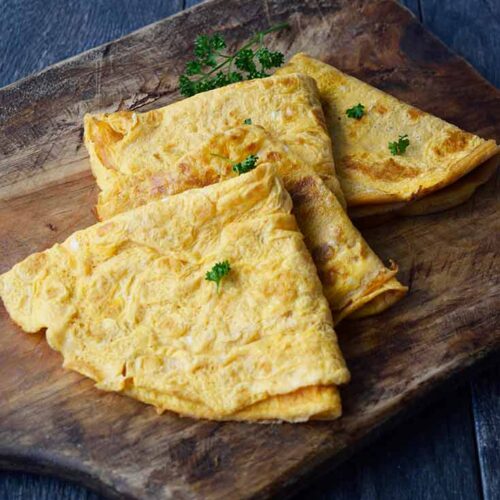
<point x="448" y="197"/>
<point x="134" y="155"/>
<point x="351" y="273"/>
<point x="127" y="304"/>
<point x="439" y="153"/>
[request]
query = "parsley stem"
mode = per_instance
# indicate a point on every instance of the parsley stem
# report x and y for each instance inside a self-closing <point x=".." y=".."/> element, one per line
<point x="252" y="41"/>
<point x="213" y="66"/>
<point x="276" y="27"/>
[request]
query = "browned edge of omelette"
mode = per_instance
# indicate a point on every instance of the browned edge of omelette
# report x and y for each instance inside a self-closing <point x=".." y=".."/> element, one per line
<point x="438" y="155"/>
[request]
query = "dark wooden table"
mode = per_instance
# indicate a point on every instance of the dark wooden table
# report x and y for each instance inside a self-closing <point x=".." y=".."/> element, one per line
<point x="451" y="450"/>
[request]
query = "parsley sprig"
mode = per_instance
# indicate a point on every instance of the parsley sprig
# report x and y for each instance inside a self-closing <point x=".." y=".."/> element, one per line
<point x="249" y="163"/>
<point x="212" y="68"/>
<point x="356" y="111"/>
<point x="399" y="147"/>
<point x="218" y="271"/>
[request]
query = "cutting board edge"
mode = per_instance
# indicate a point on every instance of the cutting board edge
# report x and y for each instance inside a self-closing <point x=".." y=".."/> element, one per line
<point x="99" y="48"/>
<point x="303" y="474"/>
<point x="433" y="390"/>
<point x="203" y="4"/>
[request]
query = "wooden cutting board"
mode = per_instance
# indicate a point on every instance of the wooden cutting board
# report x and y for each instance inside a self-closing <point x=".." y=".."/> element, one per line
<point x="55" y="421"/>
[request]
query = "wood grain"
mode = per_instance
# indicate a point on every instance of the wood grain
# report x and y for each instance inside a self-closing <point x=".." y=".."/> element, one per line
<point x="447" y="323"/>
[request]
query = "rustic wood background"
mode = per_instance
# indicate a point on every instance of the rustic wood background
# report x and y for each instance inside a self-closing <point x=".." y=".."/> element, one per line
<point x="451" y="450"/>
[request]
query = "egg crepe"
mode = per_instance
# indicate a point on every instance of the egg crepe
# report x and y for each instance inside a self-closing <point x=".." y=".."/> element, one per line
<point x="354" y="279"/>
<point x="137" y="157"/>
<point x="439" y="153"/>
<point x="448" y="197"/>
<point x="127" y="304"/>
<point x="126" y="147"/>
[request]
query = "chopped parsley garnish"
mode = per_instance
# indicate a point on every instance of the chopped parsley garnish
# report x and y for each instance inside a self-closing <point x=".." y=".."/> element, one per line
<point x="218" y="271"/>
<point x="356" y="111"/>
<point x="399" y="147"/>
<point x="249" y="163"/>
<point x="213" y="68"/>
<point x="248" y="121"/>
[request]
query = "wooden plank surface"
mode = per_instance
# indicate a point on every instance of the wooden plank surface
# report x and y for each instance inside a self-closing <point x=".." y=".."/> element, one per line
<point x="472" y="29"/>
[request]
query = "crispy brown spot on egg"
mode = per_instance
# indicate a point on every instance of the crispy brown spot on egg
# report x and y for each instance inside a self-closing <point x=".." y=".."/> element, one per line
<point x="381" y="109"/>
<point x="394" y="171"/>
<point x="207" y="178"/>
<point x="388" y="170"/>
<point x="414" y="113"/>
<point x="252" y="147"/>
<point x="455" y="141"/>
<point x="267" y="83"/>
<point x="237" y="133"/>
<point x="184" y="167"/>
<point x="288" y="81"/>
<point x="273" y="156"/>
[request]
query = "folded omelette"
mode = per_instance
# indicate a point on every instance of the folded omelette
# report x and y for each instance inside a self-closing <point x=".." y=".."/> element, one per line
<point x="448" y="197"/>
<point x="136" y="157"/>
<point x="127" y="303"/>
<point x="439" y="153"/>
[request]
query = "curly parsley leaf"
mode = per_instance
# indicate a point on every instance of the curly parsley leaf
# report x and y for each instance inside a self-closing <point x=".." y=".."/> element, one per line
<point x="248" y="121"/>
<point x="249" y="163"/>
<point x="269" y="59"/>
<point x="218" y="271"/>
<point x="399" y="147"/>
<point x="212" y="68"/>
<point x="356" y="111"/>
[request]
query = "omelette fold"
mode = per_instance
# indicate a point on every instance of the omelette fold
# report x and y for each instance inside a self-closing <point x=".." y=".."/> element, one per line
<point x="448" y="197"/>
<point x="127" y="304"/>
<point x="139" y="157"/>
<point x="438" y="155"/>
